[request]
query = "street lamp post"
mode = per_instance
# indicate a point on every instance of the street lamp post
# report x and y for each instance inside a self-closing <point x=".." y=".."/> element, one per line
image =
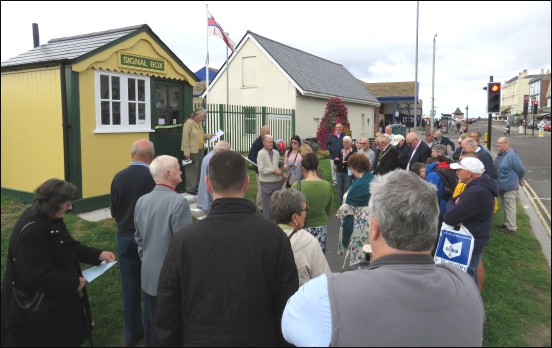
<point x="416" y="70"/>
<point x="433" y="84"/>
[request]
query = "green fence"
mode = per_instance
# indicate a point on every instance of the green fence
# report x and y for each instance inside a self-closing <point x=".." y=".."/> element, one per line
<point x="242" y="124"/>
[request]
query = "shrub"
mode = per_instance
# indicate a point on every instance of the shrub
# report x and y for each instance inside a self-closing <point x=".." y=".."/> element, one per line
<point x="335" y="112"/>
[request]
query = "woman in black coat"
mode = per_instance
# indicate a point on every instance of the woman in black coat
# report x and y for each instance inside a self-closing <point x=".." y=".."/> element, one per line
<point x="47" y="260"/>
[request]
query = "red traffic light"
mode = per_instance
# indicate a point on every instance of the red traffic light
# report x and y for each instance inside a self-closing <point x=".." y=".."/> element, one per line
<point x="495" y="88"/>
<point x="535" y="102"/>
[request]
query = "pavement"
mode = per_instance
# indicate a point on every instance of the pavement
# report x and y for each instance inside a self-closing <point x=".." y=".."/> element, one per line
<point x="105" y="213"/>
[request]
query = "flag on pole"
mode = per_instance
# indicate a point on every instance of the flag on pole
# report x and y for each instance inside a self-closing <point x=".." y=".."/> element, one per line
<point x="214" y="29"/>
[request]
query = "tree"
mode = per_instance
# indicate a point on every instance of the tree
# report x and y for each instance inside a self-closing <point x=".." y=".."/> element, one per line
<point x="335" y="112"/>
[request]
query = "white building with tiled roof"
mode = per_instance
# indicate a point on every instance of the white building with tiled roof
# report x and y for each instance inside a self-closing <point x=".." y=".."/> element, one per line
<point x="264" y="72"/>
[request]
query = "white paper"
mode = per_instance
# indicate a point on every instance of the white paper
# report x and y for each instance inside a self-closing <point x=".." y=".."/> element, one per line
<point x="250" y="161"/>
<point x="94" y="272"/>
<point x="217" y="135"/>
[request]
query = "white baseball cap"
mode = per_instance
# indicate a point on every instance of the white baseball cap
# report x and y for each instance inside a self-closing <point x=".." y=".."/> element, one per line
<point x="470" y="164"/>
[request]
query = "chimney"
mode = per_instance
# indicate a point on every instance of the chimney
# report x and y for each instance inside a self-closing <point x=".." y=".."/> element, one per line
<point x="36" y="37"/>
<point x="542" y="71"/>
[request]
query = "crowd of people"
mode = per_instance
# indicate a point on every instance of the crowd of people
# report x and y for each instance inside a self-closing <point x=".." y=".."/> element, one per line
<point x="236" y="278"/>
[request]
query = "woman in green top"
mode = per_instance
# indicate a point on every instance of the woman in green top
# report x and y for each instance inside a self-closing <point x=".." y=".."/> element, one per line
<point x="319" y="199"/>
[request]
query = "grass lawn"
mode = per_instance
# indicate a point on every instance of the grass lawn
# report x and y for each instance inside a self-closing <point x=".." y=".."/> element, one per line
<point x="516" y="293"/>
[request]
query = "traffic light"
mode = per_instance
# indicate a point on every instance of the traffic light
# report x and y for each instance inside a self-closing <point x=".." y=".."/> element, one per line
<point x="493" y="97"/>
<point x="535" y="106"/>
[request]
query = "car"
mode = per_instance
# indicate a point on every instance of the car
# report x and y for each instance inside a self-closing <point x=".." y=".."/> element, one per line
<point x="547" y="126"/>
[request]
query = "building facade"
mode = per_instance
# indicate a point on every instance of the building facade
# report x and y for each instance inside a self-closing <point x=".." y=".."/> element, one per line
<point x="71" y="108"/>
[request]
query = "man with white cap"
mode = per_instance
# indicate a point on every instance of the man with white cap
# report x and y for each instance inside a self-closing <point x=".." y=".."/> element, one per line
<point x="474" y="207"/>
<point x="404" y="150"/>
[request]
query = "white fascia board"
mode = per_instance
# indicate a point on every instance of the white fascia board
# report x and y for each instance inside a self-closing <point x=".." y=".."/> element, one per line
<point x="250" y="37"/>
<point x="345" y="99"/>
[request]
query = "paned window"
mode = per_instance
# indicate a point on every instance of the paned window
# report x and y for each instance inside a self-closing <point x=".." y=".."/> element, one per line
<point x="122" y="103"/>
<point x="250" y="120"/>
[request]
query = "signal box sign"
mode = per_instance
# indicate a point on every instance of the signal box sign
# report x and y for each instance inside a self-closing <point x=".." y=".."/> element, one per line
<point x="141" y="63"/>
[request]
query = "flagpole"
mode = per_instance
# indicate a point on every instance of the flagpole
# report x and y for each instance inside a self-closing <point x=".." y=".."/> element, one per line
<point x="207" y="62"/>
<point x="227" y="82"/>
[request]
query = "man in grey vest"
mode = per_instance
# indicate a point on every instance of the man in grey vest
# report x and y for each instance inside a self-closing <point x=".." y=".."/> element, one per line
<point x="403" y="298"/>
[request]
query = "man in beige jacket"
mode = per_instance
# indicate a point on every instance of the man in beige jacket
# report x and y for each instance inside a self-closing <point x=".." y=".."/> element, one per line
<point x="193" y="143"/>
<point x="270" y="175"/>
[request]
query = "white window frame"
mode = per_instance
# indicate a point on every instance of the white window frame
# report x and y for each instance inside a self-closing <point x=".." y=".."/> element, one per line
<point x="124" y="127"/>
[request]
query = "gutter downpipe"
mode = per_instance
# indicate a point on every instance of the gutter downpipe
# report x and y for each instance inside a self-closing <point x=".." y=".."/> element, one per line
<point x="65" y="122"/>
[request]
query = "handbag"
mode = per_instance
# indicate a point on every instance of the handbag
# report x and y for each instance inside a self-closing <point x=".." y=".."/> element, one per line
<point x="28" y="311"/>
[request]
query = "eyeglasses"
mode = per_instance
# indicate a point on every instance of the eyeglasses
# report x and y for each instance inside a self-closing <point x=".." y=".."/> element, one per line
<point x="410" y="143"/>
<point x="501" y="142"/>
<point x="306" y="209"/>
<point x="362" y="143"/>
<point x="295" y="142"/>
<point x="69" y="203"/>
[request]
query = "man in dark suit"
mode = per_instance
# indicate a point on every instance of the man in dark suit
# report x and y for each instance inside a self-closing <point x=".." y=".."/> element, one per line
<point x="420" y="150"/>
<point x="127" y="187"/>
<point x="388" y="158"/>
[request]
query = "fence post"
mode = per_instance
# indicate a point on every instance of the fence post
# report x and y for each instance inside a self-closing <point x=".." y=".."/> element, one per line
<point x="221" y="120"/>
<point x="263" y="116"/>
<point x="293" y="122"/>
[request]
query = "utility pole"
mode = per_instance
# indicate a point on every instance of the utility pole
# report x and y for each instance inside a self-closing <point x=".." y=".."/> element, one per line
<point x="467" y="118"/>
<point x="433" y="85"/>
<point x="416" y="78"/>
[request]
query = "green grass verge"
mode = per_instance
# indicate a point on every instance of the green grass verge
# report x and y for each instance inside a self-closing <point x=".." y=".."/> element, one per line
<point x="516" y="293"/>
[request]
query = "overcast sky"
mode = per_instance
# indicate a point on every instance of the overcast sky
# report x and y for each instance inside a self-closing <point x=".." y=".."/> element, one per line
<point x="374" y="40"/>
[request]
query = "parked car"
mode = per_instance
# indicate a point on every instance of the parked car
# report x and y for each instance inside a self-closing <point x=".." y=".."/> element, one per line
<point x="547" y="126"/>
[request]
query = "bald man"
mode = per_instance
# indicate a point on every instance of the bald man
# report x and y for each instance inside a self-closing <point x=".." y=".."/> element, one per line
<point x="420" y="150"/>
<point x="127" y="187"/>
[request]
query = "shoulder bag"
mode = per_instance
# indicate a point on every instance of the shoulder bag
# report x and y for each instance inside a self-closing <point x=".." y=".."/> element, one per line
<point x="28" y="311"/>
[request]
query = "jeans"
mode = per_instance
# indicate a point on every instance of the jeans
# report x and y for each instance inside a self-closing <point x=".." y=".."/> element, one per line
<point x="344" y="181"/>
<point x="135" y="325"/>
<point x="472" y="268"/>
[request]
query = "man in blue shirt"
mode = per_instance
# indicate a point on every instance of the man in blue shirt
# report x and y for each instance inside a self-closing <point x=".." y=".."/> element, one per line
<point x="403" y="298"/>
<point x="334" y="144"/>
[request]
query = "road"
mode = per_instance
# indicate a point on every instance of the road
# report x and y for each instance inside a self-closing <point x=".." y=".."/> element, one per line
<point x="535" y="156"/>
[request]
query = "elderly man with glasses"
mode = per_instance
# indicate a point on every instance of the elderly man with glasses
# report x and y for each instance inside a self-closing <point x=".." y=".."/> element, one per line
<point x="420" y="150"/>
<point x="510" y="172"/>
<point x="364" y="148"/>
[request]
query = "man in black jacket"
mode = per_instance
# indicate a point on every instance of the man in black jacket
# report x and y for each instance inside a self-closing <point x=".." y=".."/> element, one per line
<point x="470" y="145"/>
<point x="127" y="187"/>
<point x="441" y="140"/>
<point x="252" y="156"/>
<point x="420" y="150"/>
<point x="226" y="279"/>
<point x="474" y="207"/>
<point x="388" y="158"/>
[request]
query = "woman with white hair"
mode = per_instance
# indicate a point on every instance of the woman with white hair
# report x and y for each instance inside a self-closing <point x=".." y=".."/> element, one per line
<point x="289" y="210"/>
<point x="343" y="174"/>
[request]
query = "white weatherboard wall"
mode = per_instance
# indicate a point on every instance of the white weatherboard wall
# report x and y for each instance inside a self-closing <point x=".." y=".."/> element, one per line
<point x="310" y="111"/>
<point x="272" y="90"/>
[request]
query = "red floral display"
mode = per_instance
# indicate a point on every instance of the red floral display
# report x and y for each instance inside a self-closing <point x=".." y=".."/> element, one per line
<point x="335" y="112"/>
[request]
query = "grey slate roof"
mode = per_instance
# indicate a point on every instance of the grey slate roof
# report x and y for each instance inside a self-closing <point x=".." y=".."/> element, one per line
<point x="315" y="74"/>
<point x="69" y="48"/>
